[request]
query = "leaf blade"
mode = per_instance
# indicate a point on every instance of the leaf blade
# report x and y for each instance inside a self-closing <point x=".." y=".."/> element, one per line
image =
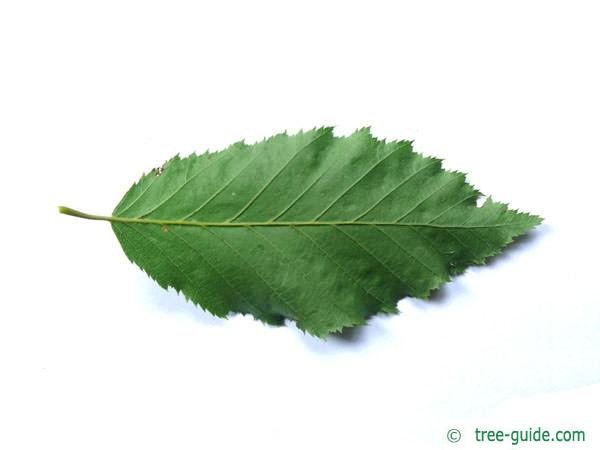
<point x="322" y="230"/>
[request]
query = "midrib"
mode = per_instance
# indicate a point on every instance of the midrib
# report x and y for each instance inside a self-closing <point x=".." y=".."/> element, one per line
<point x="320" y="223"/>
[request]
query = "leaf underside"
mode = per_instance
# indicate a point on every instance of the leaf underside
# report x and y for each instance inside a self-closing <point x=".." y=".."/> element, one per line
<point x="323" y="230"/>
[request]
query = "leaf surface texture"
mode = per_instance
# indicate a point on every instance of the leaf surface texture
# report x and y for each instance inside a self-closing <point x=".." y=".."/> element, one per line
<point x="323" y="230"/>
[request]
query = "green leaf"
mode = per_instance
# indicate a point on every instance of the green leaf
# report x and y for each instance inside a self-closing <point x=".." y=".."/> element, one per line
<point x="326" y="231"/>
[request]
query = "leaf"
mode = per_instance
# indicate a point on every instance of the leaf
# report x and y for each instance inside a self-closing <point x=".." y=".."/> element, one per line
<point x="326" y="231"/>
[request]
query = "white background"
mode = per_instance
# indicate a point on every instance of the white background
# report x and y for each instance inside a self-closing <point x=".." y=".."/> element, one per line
<point x="94" y="355"/>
